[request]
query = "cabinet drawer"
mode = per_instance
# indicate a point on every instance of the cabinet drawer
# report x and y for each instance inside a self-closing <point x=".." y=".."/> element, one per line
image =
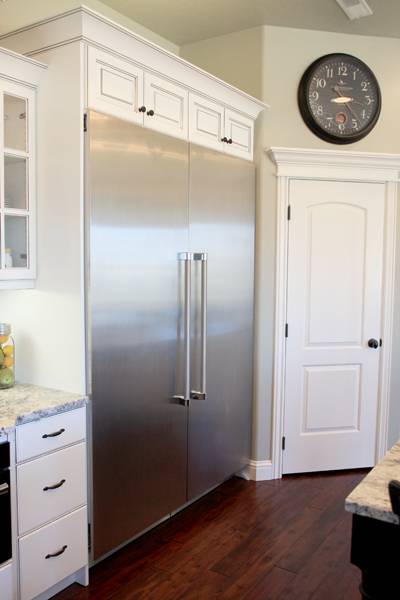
<point x="239" y="129"/>
<point x="169" y="102"/>
<point x="115" y="86"/>
<point x="51" y="486"/>
<point x="206" y="122"/>
<point x="50" y="433"/>
<point x="40" y="569"/>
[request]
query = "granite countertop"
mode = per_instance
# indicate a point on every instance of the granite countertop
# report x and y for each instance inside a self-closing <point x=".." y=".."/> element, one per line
<point x="371" y="497"/>
<point x="24" y="403"/>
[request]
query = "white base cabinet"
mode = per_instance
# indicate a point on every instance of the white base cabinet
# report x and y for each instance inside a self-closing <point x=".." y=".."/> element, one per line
<point x="51" y="504"/>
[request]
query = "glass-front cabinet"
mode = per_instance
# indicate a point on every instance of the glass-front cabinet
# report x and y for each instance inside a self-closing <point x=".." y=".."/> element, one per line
<point x="17" y="183"/>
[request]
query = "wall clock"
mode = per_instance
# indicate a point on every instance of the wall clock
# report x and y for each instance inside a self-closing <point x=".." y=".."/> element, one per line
<point x="339" y="98"/>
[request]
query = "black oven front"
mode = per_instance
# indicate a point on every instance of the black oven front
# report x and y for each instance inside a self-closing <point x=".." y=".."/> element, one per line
<point x="5" y="503"/>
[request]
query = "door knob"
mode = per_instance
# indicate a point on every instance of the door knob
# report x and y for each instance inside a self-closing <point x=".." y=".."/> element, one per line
<point x="230" y="141"/>
<point x="150" y="113"/>
<point x="372" y="343"/>
<point x="224" y="139"/>
<point x="142" y="109"/>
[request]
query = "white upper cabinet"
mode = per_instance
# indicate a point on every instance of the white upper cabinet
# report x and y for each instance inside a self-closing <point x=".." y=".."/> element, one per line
<point x="131" y="78"/>
<point x="17" y="170"/>
<point x="166" y="106"/>
<point x="206" y="122"/>
<point x="239" y="133"/>
<point x="115" y="86"/>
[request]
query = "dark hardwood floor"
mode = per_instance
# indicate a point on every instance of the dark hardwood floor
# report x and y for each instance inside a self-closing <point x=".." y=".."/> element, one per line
<point x="287" y="539"/>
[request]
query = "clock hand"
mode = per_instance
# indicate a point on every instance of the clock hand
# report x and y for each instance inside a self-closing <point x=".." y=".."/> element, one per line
<point x="351" y="111"/>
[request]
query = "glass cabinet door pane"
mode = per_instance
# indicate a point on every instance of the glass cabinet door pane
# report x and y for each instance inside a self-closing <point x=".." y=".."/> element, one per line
<point x="15" y="123"/>
<point x="15" y="182"/>
<point x="16" y="242"/>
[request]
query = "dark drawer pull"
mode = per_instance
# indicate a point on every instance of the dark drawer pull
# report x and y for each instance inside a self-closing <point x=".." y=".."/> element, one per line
<point x="63" y="549"/>
<point x="55" y="486"/>
<point x="55" y="434"/>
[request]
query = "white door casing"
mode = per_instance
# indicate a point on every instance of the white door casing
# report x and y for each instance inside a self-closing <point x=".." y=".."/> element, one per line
<point x="335" y="258"/>
<point x="333" y="166"/>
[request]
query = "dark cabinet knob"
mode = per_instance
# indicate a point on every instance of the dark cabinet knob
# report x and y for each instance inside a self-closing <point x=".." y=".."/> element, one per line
<point x="230" y="141"/>
<point x="142" y="109"/>
<point x="372" y="343"/>
<point x="224" y="139"/>
<point x="150" y="113"/>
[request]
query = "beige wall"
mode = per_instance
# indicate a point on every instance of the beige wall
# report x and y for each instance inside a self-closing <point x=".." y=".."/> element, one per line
<point x="18" y="13"/>
<point x="285" y="54"/>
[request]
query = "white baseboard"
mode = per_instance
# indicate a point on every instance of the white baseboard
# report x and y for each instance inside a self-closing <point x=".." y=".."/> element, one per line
<point x="257" y="470"/>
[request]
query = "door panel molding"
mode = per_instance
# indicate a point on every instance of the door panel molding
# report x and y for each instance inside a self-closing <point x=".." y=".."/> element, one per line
<point x="332" y="165"/>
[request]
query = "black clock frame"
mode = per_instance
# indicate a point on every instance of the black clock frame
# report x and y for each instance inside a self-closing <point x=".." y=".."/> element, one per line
<point x="302" y="98"/>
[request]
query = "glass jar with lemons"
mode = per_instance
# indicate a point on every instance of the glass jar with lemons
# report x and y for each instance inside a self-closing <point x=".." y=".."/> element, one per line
<point x="7" y="353"/>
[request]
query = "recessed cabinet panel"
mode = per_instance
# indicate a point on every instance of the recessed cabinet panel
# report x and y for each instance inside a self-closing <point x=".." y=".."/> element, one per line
<point x="15" y="182"/>
<point x="206" y="122"/>
<point x="169" y="102"/>
<point x="239" y="129"/>
<point x="115" y="86"/>
<point x="15" y="122"/>
<point x="16" y="242"/>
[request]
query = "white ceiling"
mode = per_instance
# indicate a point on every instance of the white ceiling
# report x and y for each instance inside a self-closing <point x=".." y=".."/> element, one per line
<point x="186" y="21"/>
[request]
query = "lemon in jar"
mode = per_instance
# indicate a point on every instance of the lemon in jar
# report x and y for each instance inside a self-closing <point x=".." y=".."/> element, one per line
<point x="8" y="361"/>
<point x="6" y="377"/>
<point x="8" y="350"/>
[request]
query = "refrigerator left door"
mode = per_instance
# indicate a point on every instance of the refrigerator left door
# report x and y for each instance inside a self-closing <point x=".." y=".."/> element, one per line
<point x="137" y="227"/>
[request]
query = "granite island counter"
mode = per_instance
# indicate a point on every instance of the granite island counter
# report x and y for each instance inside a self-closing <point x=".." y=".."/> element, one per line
<point x="24" y="403"/>
<point x="375" y="539"/>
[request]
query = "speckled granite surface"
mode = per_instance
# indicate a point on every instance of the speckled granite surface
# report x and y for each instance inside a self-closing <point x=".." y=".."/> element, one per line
<point x="371" y="497"/>
<point x="24" y="403"/>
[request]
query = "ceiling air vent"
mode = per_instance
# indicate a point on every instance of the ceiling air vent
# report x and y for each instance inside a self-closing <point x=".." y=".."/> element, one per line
<point x="355" y="9"/>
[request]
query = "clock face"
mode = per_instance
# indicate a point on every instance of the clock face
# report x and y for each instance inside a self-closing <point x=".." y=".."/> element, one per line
<point x="339" y="98"/>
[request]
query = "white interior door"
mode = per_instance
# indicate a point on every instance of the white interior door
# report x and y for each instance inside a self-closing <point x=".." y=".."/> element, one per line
<point x="335" y="261"/>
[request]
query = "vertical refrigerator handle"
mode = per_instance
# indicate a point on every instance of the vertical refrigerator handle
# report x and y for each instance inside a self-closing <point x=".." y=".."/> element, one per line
<point x="187" y="258"/>
<point x="202" y="393"/>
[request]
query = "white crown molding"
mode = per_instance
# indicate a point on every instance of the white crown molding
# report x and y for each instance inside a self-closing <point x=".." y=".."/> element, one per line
<point x="257" y="470"/>
<point x="307" y="163"/>
<point x="87" y="25"/>
<point x="20" y="69"/>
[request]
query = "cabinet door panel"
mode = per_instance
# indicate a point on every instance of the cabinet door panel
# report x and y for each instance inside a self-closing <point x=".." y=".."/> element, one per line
<point x="115" y="86"/>
<point x="170" y="105"/>
<point x="239" y="129"/>
<point x="206" y="122"/>
<point x="51" y="553"/>
<point x="51" y="486"/>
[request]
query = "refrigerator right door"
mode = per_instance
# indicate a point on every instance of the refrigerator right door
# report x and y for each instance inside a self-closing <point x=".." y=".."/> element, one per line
<point x="221" y="229"/>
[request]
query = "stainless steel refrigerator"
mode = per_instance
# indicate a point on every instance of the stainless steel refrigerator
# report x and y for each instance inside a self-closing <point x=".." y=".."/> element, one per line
<point x="170" y="244"/>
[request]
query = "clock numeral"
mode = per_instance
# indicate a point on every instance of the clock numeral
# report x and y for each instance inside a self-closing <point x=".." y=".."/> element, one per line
<point x="354" y="75"/>
<point x="315" y="96"/>
<point x="363" y="113"/>
<point x="320" y="110"/>
<point x="329" y="72"/>
<point x="321" y="83"/>
<point x="369" y="100"/>
<point x="329" y="119"/>
<point x="364" y="86"/>
<point x="355" y="124"/>
<point x="341" y="127"/>
<point x="342" y="70"/>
